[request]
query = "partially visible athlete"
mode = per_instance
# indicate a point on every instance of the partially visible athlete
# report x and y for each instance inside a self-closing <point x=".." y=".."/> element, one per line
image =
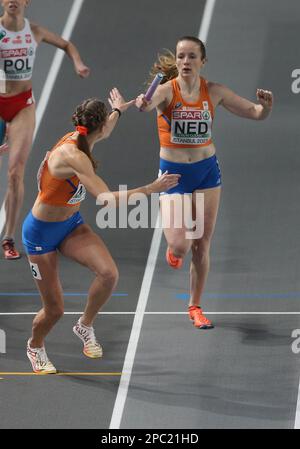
<point x="55" y="224"/>
<point x="19" y="39"/>
<point x="185" y="104"/>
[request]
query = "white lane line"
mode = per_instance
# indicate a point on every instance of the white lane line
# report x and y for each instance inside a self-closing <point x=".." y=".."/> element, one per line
<point x="147" y="280"/>
<point x="51" y="78"/>
<point x="56" y="63"/>
<point x="136" y="328"/>
<point x="297" y="418"/>
<point x="157" y="313"/>
<point x="206" y="20"/>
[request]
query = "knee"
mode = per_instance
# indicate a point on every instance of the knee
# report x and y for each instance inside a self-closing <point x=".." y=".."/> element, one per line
<point x="54" y="312"/>
<point x="109" y="277"/>
<point x="200" y="249"/>
<point x="179" y="248"/>
<point x="15" y="176"/>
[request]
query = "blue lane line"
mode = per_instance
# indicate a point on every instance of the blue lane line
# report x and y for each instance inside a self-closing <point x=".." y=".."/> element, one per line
<point x="183" y="296"/>
<point x="296" y="295"/>
<point x="65" y="294"/>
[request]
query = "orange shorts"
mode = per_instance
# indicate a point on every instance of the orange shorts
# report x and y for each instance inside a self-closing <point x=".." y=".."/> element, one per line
<point x="11" y="106"/>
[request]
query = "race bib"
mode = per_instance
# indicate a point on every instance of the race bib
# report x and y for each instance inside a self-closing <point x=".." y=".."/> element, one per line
<point x="191" y="126"/>
<point x="79" y="195"/>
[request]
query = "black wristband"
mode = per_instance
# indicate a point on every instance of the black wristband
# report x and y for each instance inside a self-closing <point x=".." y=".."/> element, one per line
<point x="116" y="110"/>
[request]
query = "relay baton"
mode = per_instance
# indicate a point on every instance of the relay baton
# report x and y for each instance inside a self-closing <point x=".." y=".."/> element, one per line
<point x="153" y="86"/>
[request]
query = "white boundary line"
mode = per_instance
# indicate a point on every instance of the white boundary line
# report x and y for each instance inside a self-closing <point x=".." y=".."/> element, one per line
<point x="136" y="328"/>
<point x="147" y="280"/>
<point x="297" y="417"/>
<point x="206" y="19"/>
<point x="50" y="81"/>
<point x="157" y="313"/>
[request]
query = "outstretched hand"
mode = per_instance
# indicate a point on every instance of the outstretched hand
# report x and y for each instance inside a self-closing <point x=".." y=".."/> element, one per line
<point x="265" y="98"/>
<point x="117" y="101"/>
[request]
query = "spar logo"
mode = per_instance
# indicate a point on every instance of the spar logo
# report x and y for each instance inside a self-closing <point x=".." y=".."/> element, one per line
<point x="14" y="53"/>
<point x="17" y="60"/>
<point x="191" y="126"/>
<point x="192" y="115"/>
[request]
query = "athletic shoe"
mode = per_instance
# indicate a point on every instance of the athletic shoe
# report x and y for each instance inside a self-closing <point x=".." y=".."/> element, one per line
<point x="10" y="253"/>
<point x="91" y="347"/>
<point x="39" y="360"/>
<point x="200" y="321"/>
<point x="173" y="261"/>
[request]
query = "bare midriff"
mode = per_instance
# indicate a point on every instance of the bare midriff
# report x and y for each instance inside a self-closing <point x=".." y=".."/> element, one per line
<point x="187" y="155"/>
<point x="47" y="212"/>
<point x="16" y="87"/>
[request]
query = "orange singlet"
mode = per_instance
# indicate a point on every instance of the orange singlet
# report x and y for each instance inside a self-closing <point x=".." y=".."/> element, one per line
<point x="186" y="125"/>
<point x="59" y="192"/>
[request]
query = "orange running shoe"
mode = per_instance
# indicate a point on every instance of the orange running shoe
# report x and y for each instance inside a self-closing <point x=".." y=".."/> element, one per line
<point x="200" y="321"/>
<point x="10" y="253"/>
<point x="173" y="261"/>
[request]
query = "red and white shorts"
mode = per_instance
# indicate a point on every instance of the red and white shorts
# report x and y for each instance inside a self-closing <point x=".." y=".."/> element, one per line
<point x="11" y="106"/>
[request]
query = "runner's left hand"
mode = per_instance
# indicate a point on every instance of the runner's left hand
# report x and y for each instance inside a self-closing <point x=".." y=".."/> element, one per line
<point x="117" y="101"/>
<point x="82" y="70"/>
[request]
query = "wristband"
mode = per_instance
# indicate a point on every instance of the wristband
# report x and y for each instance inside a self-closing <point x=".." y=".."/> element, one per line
<point x="116" y="110"/>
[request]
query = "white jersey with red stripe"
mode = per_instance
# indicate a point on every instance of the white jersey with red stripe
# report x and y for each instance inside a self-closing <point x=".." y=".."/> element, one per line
<point x="17" y="53"/>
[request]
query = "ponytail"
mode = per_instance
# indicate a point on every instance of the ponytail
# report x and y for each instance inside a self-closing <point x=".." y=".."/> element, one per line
<point x="165" y="64"/>
<point x="89" y="117"/>
<point x="82" y="145"/>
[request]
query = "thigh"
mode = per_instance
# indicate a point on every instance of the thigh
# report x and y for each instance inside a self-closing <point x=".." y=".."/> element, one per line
<point x="44" y="269"/>
<point x="176" y="214"/>
<point x="205" y="212"/>
<point x="88" y="249"/>
<point x="20" y="136"/>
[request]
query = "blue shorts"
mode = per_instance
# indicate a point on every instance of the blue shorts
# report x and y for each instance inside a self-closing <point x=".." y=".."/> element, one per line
<point x="41" y="237"/>
<point x="199" y="175"/>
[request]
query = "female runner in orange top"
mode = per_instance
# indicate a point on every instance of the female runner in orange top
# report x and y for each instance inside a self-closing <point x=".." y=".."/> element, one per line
<point x="19" y="39"/>
<point x="54" y="223"/>
<point x="185" y="105"/>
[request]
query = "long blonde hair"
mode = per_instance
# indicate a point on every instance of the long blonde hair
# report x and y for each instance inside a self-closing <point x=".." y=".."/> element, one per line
<point x="166" y="61"/>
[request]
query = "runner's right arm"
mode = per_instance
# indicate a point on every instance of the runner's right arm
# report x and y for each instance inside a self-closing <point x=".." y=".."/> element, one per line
<point x="161" y="98"/>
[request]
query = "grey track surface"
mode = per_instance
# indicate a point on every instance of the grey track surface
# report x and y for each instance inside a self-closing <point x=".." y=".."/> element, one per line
<point x="242" y="373"/>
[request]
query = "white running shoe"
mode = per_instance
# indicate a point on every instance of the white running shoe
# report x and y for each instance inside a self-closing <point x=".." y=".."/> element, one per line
<point x="39" y="360"/>
<point x="91" y="347"/>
